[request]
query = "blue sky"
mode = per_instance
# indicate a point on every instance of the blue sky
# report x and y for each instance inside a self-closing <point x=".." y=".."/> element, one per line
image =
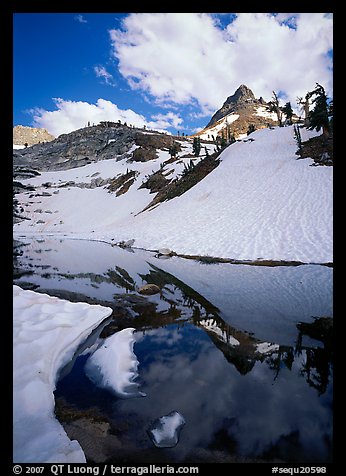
<point x="170" y="71"/>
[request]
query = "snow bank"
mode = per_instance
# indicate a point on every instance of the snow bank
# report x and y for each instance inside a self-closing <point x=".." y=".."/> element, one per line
<point x="47" y="332"/>
<point x="114" y="365"/>
<point x="263" y="112"/>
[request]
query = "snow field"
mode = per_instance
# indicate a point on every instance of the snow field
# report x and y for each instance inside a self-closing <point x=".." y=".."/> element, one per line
<point x="259" y="203"/>
<point x="83" y="210"/>
<point x="218" y="126"/>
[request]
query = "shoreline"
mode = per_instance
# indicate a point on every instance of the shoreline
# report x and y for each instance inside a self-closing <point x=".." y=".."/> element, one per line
<point x="205" y="259"/>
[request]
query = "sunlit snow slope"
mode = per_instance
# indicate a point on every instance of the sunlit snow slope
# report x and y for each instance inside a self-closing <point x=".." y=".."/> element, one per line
<point x="261" y="202"/>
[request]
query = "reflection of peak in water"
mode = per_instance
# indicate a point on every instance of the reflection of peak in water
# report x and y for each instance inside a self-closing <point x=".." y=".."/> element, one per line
<point x="239" y="348"/>
<point x="211" y="326"/>
<point x="224" y="332"/>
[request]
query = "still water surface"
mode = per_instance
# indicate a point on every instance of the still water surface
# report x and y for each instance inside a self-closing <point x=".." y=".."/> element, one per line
<point x="242" y="352"/>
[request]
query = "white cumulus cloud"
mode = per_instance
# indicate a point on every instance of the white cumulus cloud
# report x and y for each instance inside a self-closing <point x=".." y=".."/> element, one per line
<point x="184" y="57"/>
<point x="164" y="121"/>
<point x="71" y="115"/>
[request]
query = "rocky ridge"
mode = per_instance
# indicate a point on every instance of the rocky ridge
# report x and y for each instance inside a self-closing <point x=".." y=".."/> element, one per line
<point x="30" y="135"/>
<point x="92" y="144"/>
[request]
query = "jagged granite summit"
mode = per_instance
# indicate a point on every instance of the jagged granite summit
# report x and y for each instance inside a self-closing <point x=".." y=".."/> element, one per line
<point x="240" y="110"/>
<point x="243" y="97"/>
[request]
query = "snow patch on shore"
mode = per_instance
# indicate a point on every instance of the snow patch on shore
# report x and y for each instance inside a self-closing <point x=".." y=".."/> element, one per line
<point x="47" y="331"/>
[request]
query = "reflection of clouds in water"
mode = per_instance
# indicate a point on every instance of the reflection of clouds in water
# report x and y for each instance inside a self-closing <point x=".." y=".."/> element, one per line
<point x="209" y="391"/>
<point x="268" y="409"/>
<point x="165" y="336"/>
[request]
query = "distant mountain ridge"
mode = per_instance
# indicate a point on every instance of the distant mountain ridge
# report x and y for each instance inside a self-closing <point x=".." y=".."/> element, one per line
<point x="30" y="135"/>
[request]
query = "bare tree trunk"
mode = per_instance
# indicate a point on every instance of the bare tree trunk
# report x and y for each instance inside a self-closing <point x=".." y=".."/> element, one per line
<point x="325" y="132"/>
<point x="306" y="111"/>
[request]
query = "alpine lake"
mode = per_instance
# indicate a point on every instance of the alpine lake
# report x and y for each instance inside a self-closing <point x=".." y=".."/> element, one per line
<point x="244" y="353"/>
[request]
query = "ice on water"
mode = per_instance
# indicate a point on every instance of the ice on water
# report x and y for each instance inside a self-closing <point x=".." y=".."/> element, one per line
<point x="164" y="431"/>
<point x="113" y="365"/>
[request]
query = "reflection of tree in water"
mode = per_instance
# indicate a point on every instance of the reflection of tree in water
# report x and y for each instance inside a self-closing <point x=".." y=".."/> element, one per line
<point x="318" y="363"/>
<point x="121" y="278"/>
<point x="316" y="369"/>
<point x="18" y="271"/>
<point x="284" y="357"/>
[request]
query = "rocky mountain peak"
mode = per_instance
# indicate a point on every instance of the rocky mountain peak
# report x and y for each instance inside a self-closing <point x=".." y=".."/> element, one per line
<point x="243" y="93"/>
<point x="242" y="98"/>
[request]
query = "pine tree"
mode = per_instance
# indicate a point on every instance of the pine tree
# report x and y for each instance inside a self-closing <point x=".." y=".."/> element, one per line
<point x="288" y="111"/>
<point x="331" y="116"/>
<point x="223" y="141"/>
<point x="319" y="116"/>
<point x="196" y="146"/>
<point x="173" y="149"/>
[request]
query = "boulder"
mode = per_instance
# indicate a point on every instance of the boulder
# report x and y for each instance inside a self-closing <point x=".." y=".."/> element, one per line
<point x="149" y="289"/>
<point x="99" y="181"/>
<point x="165" y="251"/>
